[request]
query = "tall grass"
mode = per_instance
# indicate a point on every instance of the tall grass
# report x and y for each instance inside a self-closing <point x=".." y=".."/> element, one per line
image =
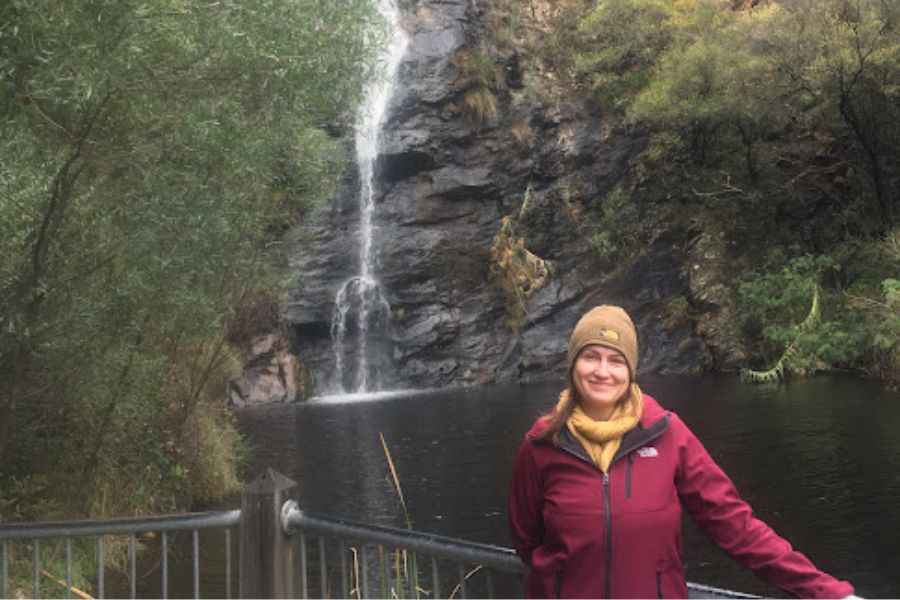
<point x="406" y="574"/>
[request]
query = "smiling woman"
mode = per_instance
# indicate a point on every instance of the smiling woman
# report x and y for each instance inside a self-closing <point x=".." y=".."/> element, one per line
<point x="598" y="486"/>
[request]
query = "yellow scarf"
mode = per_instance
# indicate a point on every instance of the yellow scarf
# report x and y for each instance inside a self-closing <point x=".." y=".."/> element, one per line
<point x="602" y="438"/>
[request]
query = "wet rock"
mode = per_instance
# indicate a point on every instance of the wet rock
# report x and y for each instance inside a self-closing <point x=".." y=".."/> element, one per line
<point x="708" y="266"/>
<point x="271" y="374"/>
<point x="442" y="192"/>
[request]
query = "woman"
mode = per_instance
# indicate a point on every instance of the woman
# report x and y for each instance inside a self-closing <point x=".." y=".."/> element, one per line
<point x="598" y="487"/>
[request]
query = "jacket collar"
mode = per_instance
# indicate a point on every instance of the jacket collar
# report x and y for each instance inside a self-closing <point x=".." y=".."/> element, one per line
<point x="654" y="422"/>
<point x="631" y="441"/>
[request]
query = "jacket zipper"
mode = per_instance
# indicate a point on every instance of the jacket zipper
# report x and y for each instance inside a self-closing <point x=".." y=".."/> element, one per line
<point x="606" y="501"/>
<point x="608" y="516"/>
<point x="559" y="580"/>
<point x="659" y="593"/>
<point x="628" y="476"/>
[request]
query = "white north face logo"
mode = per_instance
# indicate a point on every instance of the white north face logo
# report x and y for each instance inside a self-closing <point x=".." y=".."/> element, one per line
<point x="647" y="452"/>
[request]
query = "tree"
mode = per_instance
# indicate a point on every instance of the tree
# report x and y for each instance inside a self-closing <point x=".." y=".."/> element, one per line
<point x="840" y="60"/>
<point x="152" y="153"/>
<point x="619" y="43"/>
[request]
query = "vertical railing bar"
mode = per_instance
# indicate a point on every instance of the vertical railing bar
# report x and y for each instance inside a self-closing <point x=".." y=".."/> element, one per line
<point x="3" y="570"/>
<point x="196" y="563"/>
<point x="436" y="578"/>
<point x="68" y="567"/>
<point x="37" y="568"/>
<point x="399" y="565"/>
<point x="385" y="571"/>
<point x="489" y="574"/>
<point x="323" y="572"/>
<point x="364" y="592"/>
<point x="132" y="557"/>
<point x="344" y="593"/>
<point x="100" y="566"/>
<point x="462" y="581"/>
<point x="228" y="563"/>
<point x="164" y="558"/>
<point x="304" y="585"/>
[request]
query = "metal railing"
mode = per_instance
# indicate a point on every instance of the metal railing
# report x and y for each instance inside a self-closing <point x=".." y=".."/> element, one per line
<point x="352" y="560"/>
<point x="465" y="559"/>
<point x="34" y="533"/>
<point x="419" y="561"/>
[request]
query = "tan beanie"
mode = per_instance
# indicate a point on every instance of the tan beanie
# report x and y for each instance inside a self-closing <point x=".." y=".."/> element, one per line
<point x="608" y="326"/>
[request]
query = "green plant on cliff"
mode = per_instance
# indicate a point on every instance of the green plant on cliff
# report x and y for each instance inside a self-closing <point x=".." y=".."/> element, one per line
<point x="480" y="77"/>
<point x="515" y="269"/>
<point x="152" y="151"/>
<point x="614" y="229"/>
<point x="505" y="22"/>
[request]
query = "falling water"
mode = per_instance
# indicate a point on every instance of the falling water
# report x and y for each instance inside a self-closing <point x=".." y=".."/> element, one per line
<point x="361" y="298"/>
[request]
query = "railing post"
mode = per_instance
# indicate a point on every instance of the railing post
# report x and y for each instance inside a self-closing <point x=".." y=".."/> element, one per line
<point x="267" y="552"/>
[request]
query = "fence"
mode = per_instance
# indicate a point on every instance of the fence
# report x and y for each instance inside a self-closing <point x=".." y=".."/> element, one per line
<point x="131" y="527"/>
<point x="351" y="560"/>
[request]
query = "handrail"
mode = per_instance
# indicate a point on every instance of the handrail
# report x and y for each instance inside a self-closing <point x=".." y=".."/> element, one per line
<point x="123" y="525"/>
<point x="293" y="519"/>
<point x="462" y="551"/>
<point x="496" y="557"/>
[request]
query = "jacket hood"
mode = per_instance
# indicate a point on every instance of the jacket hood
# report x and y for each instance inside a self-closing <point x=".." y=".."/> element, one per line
<point x="653" y="412"/>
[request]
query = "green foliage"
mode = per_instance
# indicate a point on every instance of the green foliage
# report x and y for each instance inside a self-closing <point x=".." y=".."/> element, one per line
<point x="854" y="75"/>
<point x="714" y="84"/>
<point x="777" y="371"/>
<point x="717" y="88"/>
<point x="810" y="328"/>
<point x="876" y="299"/>
<point x="152" y="152"/>
<point x="20" y="566"/>
<point x="778" y="121"/>
<point x="786" y="303"/>
<point x="506" y="23"/>
<point x="619" y="42"/>
<point x="614" y="226"/>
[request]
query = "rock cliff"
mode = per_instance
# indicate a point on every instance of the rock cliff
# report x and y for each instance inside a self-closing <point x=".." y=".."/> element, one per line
<point x="444" y="186"/>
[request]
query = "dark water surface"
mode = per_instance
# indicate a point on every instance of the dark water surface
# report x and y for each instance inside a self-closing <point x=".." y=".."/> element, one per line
<point x="819" y="460"/>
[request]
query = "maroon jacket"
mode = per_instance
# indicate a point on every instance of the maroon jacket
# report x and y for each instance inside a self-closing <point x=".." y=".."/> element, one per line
<point x="584" y="534"/>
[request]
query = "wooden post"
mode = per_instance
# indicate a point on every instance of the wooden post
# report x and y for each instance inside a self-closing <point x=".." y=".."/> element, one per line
<point x="267" y="553"/>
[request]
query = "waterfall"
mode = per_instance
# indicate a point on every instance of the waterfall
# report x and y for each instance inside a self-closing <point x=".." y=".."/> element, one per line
<point x="360" y="301"/>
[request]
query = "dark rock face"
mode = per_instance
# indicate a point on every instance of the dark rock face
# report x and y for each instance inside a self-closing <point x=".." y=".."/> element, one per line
<point x="443" y="190"/>
<point x="271" y="374"/>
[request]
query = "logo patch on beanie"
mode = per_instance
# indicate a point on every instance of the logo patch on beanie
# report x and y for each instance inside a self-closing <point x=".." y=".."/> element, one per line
<point x="609" y="334"/>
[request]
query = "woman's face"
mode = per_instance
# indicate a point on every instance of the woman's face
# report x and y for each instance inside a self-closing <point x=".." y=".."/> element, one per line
<point x="601" y="378"/>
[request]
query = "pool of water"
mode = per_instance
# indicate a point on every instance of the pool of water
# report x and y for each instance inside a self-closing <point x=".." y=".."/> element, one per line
<point x="818" y="459"/>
